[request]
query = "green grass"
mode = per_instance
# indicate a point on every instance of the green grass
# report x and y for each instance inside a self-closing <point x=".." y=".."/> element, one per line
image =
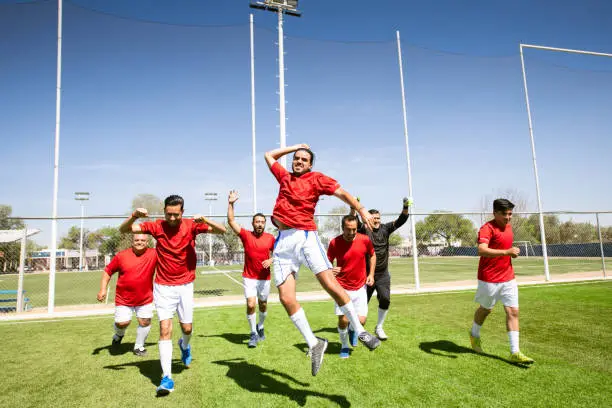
<point x="427" y="362"/>
<point x="80" y="288"/>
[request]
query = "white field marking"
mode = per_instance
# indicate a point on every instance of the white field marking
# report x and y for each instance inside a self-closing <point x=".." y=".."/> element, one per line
<point x="224" y="273"/>
<point x="302" y="297"/>
<point x="219" y="271"/>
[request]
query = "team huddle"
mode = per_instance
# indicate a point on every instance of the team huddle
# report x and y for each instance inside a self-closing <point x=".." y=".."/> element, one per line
<point x="163" y="277"/>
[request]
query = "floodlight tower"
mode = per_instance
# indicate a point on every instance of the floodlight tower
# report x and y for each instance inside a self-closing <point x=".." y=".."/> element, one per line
<point x="81" y="196"/>
<point x="280" y="7"/>
<point x="210" y="197"/>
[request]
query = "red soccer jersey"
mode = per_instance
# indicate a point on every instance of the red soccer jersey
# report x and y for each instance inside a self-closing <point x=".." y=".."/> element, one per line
<point x="351" y="257"/>
<point x="298" y="196"/>
<point x="256" y="250"/>
<point x="135" y="282"/>
<point x="176" y="256"/>
<point x="498" y="269"/>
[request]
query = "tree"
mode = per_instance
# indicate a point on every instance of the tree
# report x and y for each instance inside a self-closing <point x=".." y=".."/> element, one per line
<point x="72" y="239"/>
<point x="152" y="203"/>
<point x="9" y="251"/>
<point x="109" y="240"/>
<point x="231" y="242"/>
<point x="606" y="234"/>
<point x="448" y="228"/>
<point x="395" y="240"/>
<point x="577" y="232"/>
<point x="331" y="226"/>
<point x="7" y="223"/>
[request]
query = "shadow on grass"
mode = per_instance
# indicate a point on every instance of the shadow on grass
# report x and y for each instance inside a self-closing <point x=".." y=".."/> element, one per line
<point x="236" y="338"/>
<point x="254" y="378"/>
<point x="210" y="292"/>
<point x="333" y="330"/>
<point x="149" y="368"/>
<point x="123" y="348"/>
<point x="444" y="347"/>
<point x="332" y="347"/>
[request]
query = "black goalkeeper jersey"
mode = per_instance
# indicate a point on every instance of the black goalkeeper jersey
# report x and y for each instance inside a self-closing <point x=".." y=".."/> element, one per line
<point x="380" y="240"/>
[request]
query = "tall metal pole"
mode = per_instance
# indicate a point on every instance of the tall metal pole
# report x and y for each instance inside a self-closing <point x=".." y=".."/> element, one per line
<point x="52" y="259"/>
<point x="281" y="86"/>
<point x="81" y="239"/>
<point x="535" y="170"/>
<point x="22" y="257"/>
<point x="253" y="113"/>
<point x="415" y="253"/>
<point x="601" y="247"/>
<point x="210" y="259"/>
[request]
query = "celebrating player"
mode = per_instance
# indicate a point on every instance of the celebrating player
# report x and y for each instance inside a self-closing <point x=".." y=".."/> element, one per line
<point x="351" y="250"/>
<point x="298" y="242"/>
<point x="379" y="235"/>
<point x="173" y="287"/>
<point x="134" y="291"/>
<point x="496" y="278"/>
<point x="256" y="274"/>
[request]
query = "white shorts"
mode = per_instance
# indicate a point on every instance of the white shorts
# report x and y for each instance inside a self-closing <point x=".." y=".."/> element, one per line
<point x="294" y="248"/>
<point x="124" y="313"/>
<point x="489" y="293"/>
<point x="169" y="299"/>
<point x="359" y="298"/>
<point x="255" y="287"/>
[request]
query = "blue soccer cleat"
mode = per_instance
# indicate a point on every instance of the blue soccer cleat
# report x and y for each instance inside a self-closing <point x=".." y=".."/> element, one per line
<point x="165" y="387"/>
<point x="345" y="353"/>
<point x="185" y="353"/>
<point x="353" y="337"/>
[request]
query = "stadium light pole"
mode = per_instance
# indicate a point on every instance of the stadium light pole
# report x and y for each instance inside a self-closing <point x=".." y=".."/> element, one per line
<point x="58" y="88"/>
<point x="210" y="197"/>
<point x="81" y="196"/>
<point x="415" y="253"/>
<point x="280" y="7"/>
<point x="533" y="151"/>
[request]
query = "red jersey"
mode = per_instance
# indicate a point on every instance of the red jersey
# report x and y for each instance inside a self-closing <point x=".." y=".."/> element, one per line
<point x="498" y="269"/>
<point x="135" y="281"/>
<point x="298" y="196"/>
<point x="256" y="250"/>
<point x="351" y="257"/>
<point x="176" y="256"/>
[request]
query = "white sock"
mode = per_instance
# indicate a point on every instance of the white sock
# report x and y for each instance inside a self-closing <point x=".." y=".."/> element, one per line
<point x="119" y="332"/>
<point x="262" y="317"/>
<point x="513" y="336"/>
<point x="351" y="314"/>
<point x="344" y="337"/>
<point x="476" y="330"/>
<point x="251" y="319"/>
<point x="186" y="340"/>
<point x="382" y="314"/>
<point x="300" y="321"/>
<point x="141" y="336"/>
<point x="165" y="357"/>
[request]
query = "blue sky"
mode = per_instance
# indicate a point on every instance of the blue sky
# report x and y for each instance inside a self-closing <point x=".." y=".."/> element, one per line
<point x="156" y="99"/>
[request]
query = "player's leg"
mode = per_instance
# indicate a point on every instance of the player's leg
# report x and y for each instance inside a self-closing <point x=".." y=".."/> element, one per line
<point x="485" y="296"/>
<point x="383" y="293"/>
<point x="185" y="314"/>
<point x="250" y="294"/>
<point x="343" y="332"/>
<point x="166" y="301"/>
<point x="123" y="316"/>
<point x="263" y="291"/>
<point x="508" y="295"/>
<point x="144" y="314"/>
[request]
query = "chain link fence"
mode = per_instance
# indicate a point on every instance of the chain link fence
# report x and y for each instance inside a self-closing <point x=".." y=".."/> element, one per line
<point x="579" y="246"/>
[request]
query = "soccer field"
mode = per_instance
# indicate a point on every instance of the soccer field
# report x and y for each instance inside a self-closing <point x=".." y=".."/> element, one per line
<point x="80" y="288"/>
<point x="426" y="362"/>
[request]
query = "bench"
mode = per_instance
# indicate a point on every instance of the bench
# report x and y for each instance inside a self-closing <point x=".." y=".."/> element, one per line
<point x="12" y="297"/>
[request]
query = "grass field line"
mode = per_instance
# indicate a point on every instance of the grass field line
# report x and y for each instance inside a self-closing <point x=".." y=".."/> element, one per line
<point x="229" y="277"/>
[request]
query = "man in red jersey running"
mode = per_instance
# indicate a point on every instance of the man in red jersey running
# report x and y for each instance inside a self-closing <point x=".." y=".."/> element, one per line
<point x="298" y="242"/>
<point x="258" y="246"/>
<point x="351" y="251"/>
<point x="176" y="265"/>
<point x="134" y="291"/>
<point x="496" y="278"/>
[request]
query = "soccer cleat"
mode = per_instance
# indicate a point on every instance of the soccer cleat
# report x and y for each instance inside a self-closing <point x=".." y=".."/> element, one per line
<point x="345" y="353"/>
<point x="368" y="340"/>
<point x="316" y="355"/>
<point x="165" y="387"/>
<point x="352" y="337"/>
<point x="253" y="340"/>
<point x="380" y="333"/>
<point x="520" y="358"/>
<point x="185" y="353"/>
<point x="261" y="334"/>
<point x="476" y="344"/>
<point x="140" y="352"/>
<point x="116" y="340"/>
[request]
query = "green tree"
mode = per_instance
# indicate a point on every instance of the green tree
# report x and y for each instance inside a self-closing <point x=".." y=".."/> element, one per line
<point x="449" y="228"/>
<point x="109" y="240"/>
<point x="9" y="251"/>
<point x="72" y="239"/>
<point x="152" y="203"/>
<point x="7" y="223"/>
<point x="330" y="226"/>
<point x="395" y="240"/>
<point x="577" y="232"/>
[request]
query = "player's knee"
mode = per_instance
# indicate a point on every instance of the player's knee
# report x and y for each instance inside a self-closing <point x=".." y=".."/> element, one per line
<point x="144" y="322"/>
<point x="384" y="303"/>
<point x="263" y="305"/>
<point x="122" y="325"/>
<point x="362" y="320"/>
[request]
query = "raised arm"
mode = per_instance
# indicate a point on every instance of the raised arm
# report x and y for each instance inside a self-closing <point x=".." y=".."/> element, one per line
<point x="128" y="226"/>
<point x="403" y="217"/>
<point x="352" y="202"/>
<point x="233" y="197"/>
<point x="215" y="227"/>
<point x="273" y="155"/>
